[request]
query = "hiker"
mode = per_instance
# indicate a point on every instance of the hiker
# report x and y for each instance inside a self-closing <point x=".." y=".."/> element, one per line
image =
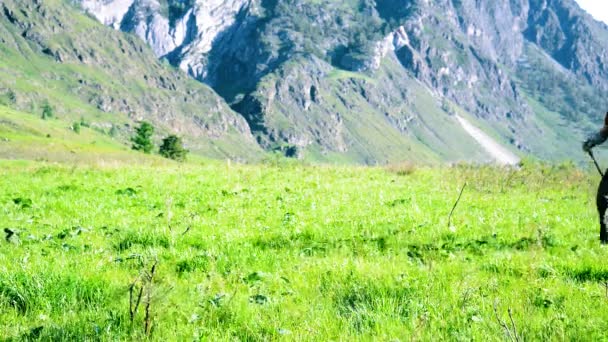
<point x="601" y="200"/>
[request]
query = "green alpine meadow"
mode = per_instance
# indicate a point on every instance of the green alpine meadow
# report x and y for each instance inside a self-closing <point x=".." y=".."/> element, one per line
<point x="303" y="170"/>
<point x="285" y="251"/>
<point x="101" y="242"/>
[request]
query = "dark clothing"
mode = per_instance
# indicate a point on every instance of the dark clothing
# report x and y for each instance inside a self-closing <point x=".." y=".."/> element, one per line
<point x="601" y="199"/>
<point x="602" y="204"/>
<point x="594" y="140"/>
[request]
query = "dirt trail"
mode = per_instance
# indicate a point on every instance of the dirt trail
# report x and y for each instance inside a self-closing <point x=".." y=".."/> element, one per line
<point x="497" y="151"/>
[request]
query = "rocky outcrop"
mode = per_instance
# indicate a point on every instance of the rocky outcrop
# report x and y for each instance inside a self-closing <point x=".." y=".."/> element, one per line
<point x="460" y="53"/>
<point x="280" y="63"/>
<point x="571" y="37"/>
<point x="185" y="38"/>
<point x="208" y="22"/>
<point x="109" y="12"/>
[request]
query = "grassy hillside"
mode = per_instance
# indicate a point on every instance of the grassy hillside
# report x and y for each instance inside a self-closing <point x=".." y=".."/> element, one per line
<point x="28" y="137"/>
<point x="51" y="53"/>
<point x="291" y="252"/>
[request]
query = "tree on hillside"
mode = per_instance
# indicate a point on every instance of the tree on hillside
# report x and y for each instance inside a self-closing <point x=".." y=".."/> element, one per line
<point x="47" y="110"/>
<point x="173" y="148"/>
<point x="113" y="131"/>
<point x="76" y="127"/>
<point x="142" y="141"/>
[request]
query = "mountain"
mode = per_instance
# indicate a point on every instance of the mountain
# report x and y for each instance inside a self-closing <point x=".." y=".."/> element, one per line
<point x="53" y="55"/>
<point x="381" y="81"/>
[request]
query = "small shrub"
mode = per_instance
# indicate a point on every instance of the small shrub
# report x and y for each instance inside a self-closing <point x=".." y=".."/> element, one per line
<point x="142" y="141"/>
<point x="126" y="191"/>
<point x="8" y="98"/>
<point x="47" y="111"/>
<point x="76" y="127"/>
<point x="288" y="150"/>
<point x="23" y="203"/>
<point x="197" y="263"/>
<point x="278" y="159"/>
<point x="84" y="123"/>
<point x="12" y="96"/>
<point x="113" y="131"/>
<point x="173" y="148"/>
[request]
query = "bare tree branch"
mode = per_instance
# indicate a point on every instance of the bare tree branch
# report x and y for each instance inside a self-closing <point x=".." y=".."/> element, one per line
<point x="502" y="323"/>
<point x="133" y="308"/>
<point x="513" y="325"/>
<point x="455" y="205"/>
<point x="148" y="318"/>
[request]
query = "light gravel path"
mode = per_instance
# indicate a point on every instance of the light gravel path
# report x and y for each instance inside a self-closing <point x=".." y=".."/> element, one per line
<point x="496" y="150"/>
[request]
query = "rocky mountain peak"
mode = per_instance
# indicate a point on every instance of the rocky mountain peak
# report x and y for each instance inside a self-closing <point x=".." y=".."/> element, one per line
<point x="493" y="60"/>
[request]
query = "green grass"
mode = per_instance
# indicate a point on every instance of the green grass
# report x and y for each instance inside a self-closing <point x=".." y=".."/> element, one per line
<point x="338" y="74"/>
<point x="27" y="137"/>
<point x="297" y="252"/>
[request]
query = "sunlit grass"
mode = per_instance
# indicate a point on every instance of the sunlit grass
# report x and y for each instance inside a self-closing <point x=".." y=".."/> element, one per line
<point x="300" y="252"/>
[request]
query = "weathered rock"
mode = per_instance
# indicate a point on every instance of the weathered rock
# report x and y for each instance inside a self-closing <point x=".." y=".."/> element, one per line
<point x="274" y="62"/>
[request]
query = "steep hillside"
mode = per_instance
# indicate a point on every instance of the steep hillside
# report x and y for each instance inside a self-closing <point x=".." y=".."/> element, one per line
<point x="52" y="55"/>
<point x="24" y="136"/>
<point x="375" y="81"/>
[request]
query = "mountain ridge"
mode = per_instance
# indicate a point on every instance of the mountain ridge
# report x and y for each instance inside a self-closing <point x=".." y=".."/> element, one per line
<point x="381" y="81"/>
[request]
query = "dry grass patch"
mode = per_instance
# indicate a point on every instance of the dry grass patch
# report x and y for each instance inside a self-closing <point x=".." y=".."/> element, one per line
<point x="401" y="169"/>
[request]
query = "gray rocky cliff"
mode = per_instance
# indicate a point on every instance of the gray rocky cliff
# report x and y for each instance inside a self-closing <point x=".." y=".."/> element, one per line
<point x="296" y="69"/>
<point x="187" y="34"/>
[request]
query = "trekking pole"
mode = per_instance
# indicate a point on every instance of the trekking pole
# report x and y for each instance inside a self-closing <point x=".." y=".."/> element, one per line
<point x="596" y="164"/>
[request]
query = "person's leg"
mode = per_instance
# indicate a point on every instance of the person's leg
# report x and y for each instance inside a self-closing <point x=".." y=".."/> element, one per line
<point x="602" y="205"/>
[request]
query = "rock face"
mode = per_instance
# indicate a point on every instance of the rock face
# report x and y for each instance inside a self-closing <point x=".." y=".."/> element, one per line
<point x="110" y="12"/>
<point x="570" y="37"/>
<point x="375" y="81"/>
<point x="183" y="29"/>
